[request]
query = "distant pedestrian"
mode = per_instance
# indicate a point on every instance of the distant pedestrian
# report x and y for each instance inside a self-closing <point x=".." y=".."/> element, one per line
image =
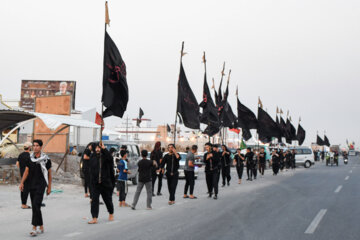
<point x="239" y="161"/>
<point x="281" y="159"/>
<point x="123" y="171"/>
<point x="38" y="176"/>
<point x="249" y="158"/>
<point x="145" y="172"/>
<point x="293" y="160"/>
<point x="189" y="171"/>
<point x="171" y="161"/>
<point x="102" y="180"/>
<point x="86" y="168"/>
<point x="254" y="165"/>
<point x="262" y="161"/>
<point x="288" y="159"/>
<point x="225" y="165"/>
<point x="275" y="162"/>
<point x="21" y="163"/>
<point x="157" y="156"/>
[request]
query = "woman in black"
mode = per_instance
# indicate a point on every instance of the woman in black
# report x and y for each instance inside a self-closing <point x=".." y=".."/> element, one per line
<point x="156" y="155"/>
<point x="275" y="162"/>
<point x="85" y="168"/>
<point x="225" y="165"/>
<point x="239" y="161"/>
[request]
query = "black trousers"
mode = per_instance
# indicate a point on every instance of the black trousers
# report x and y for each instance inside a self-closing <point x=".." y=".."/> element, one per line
<point x="225" y="173"/>
<point x="212" y="181"/>
<point x="159" y="177"/>
<point x="249" y="171"/>
<point x="275" y="167"/>
<point x="24" y="194"/>
<point x="262" y="168"/>
<point x="122" y="186"/>
<point x="254" y="169"/>
<point x="190" y="182"/>
<point x="36" y="196"/>
<point x="87" y="182"/>
<point x="172" y="181"/>
<point x="240" y="170"/>
<point x="106" y="194"/>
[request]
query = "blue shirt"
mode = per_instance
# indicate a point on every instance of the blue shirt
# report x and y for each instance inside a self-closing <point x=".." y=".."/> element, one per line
<point x="122" y="165"/>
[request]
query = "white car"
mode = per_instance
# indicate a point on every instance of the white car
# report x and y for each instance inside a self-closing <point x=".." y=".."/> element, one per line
<point x="304" y="156"/>
<point x="182" y="166"/>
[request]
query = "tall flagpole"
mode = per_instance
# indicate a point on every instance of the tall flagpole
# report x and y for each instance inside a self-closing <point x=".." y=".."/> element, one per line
<point x="181" y="55"/>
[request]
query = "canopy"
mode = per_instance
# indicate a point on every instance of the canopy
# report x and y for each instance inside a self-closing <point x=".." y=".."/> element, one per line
<point x="9" y="118"/>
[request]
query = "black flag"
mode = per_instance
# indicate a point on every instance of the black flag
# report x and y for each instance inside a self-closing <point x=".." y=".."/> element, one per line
<point x="115" y="94"/>
<point x="187" y="106"/>
<point x="280" y="129"/>
<point x="227" y="116"/>
<point x="300" y="134"/>
<point x="168" y="128"/>
<point x="319" y="141"/>
<point x="326" y="141"/>
<point x="290" y="132"/>
<point x="209" y="114"/>
<point x="282" y="126"/>
<point x="267" y="127"/>
<point x="138" y="121"/>
<point x="246" y="120"/>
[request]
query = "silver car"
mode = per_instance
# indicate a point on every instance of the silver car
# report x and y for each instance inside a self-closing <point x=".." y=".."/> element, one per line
<point x="304" y="156"/>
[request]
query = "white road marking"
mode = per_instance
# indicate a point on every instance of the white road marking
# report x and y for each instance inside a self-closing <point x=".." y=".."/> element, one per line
<point x="350" y="171"/>
<point x="72" y="234"/>
<point x="313" y="225"/>
<point x="338" y="189"/>
<point x="347" y="178"/>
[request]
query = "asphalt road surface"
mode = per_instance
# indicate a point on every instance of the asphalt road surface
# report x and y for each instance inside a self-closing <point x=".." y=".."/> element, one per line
<point x="317" y="203"/>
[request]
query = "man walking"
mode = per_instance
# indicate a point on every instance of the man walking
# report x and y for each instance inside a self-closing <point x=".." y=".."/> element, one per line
<point x="38" y="174"/>
<point x="189" y="172"/>
<point x="211" y="170"/>
<point x="23" y="159"/>
<point x="239" y="160"/>
<point x="225" y="166"/>
<point x="102" y="181"/>
<point x="249" y="158"/>
<point x="262" y="161"/>
<point x="145" y="172"/>
<point x="171" y="160"/>
<point x="123" y="170"/>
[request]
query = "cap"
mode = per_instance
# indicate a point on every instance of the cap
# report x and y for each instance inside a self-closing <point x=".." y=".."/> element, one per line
<point x="27" y="145"/>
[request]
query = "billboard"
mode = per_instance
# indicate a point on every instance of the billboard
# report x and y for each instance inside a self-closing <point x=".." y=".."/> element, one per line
<point x="30" y="89"/>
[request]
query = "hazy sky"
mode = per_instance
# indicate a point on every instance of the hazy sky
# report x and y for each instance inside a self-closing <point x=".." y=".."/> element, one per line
<point x="301" y="55"/>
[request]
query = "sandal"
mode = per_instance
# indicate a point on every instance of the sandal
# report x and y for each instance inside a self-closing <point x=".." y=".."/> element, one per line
<point x="33" y="233"/>
<point x="27" y="207"/>
<point x="39" y="231"/>
<point x="92" y="222"/>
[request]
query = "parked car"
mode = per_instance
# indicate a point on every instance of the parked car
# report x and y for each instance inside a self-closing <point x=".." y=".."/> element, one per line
<point x="304" y="156"/>
<point x="182" y="166"/>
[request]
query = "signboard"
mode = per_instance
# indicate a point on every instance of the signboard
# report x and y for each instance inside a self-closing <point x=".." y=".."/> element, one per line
<point x="30" y="89"/>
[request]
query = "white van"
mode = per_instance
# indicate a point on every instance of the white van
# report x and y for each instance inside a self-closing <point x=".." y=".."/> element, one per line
<point x="304" y="156"/>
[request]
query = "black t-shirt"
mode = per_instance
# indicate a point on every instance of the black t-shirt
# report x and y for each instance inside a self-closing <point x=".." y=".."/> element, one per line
<point x="239" y="161"/>
<point x="225" y="159"/>
<point x="22" y="159"/>
<point x="86" y="162"/>
<point x="145" y="167"/>
<point x="171" y="162"/>
<point x="36" y="178"/>
<point x="262" y="158"/>
<point x="157" y="156"/>
<point x="249" y="157"/>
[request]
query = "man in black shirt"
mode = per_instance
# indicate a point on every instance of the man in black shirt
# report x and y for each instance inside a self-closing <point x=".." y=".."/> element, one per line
<point x="38" y="176"/>
<point x="249" y="158"/>
<point x="22" y="161"/>
<point x="262" y="161"/>
<point x="239" y="160"/>
<point x="145" y="172"/>
<point x="225" y="165"/>
<point x="275" y="162"/>
<point x="171" y="160"/>
<point x="211" y="170"/>
<point x="102" y="180"/>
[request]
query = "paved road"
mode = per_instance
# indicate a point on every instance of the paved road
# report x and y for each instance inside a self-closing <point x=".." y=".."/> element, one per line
<point x="317" y="203"/>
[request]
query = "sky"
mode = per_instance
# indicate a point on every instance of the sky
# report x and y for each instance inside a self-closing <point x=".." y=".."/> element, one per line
<point x="302" y="56"/>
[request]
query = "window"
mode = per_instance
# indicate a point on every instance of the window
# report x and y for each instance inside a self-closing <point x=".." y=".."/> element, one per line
<point x="306" y="151"/>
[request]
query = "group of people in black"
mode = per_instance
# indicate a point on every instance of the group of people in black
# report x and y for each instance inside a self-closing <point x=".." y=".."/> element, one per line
<point x="98" y="168"/>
